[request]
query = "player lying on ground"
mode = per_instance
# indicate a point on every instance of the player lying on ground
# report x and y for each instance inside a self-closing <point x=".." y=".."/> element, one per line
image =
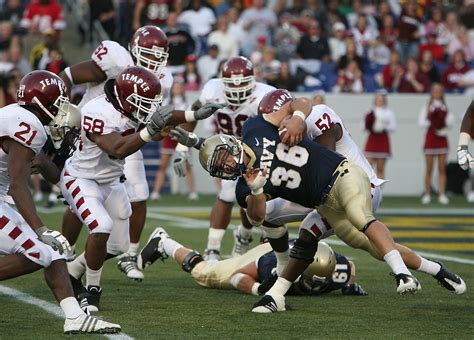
<point x="253" y="272"/>
<point x="27" y="244"/>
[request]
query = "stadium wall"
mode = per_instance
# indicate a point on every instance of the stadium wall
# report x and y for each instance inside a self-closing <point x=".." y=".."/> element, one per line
<point x="405" y="170"/>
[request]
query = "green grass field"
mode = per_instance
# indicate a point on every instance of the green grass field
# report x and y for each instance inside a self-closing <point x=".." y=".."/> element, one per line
<point x="168" y="304"/>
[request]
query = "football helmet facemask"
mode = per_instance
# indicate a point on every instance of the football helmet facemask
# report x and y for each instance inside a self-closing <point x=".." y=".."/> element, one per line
<point x="149" y="48"/>
<point x="239" y="80"/>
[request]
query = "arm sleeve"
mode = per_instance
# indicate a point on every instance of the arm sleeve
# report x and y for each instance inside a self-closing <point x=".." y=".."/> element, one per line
<point x="28" y="132"/>
<point x="111" y="58"/>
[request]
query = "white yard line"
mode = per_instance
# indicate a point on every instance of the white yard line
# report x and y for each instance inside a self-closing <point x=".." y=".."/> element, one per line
<point x="50" y="308"/>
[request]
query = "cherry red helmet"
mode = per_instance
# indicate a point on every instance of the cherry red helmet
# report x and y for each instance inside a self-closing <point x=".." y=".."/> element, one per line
<point x="138" y="92"/>
<point x="274" y="100"/>
<point x="45" y="91"/>
<point x="239" y="80"/>
<point x="149" y="48"/>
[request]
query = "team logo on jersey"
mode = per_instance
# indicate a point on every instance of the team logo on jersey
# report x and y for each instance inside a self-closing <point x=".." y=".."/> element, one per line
<point x="137" y="80"/>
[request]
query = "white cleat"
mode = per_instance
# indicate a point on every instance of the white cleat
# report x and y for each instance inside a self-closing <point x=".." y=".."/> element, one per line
<point x="212" y="255"/>
<point x="443" y="199"/>
<point x="270" y="304"/>
<point x="407" y="284"/>
<point x="127" y="264"/>
<point x="450" y="281"/>
<point x="90" y="324"/>
<point x="241" y="244"/>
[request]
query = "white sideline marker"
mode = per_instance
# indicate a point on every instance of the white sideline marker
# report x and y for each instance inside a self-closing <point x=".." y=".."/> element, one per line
<point x="50" y="308"/>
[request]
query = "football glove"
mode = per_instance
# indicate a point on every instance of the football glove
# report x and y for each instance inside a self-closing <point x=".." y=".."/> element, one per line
<point x="159" y="119"/>
<point x="181" y="157"/>
<point x="465" y="159"/>
<point x="353" y="289"/>
<point x="207" y="110"/>
<point x="256" y="183"/>
<point x="55" y="240"/>
<point x="189" y="139"/>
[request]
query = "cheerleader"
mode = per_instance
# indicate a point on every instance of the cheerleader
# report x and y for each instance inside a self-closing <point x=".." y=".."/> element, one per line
<point x="380" y="121"/>
<point x="437" y="119"/>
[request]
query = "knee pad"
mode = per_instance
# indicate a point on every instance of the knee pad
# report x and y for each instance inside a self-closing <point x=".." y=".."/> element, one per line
<point x="191" y="260"/>
<point x="274" y="233"/>
<point x="304" y="251"/>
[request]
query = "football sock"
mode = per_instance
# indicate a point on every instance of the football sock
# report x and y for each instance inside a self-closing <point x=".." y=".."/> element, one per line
<point x="244" y="232"/>
<point x="395" y="261"/>
<point x="429" y="267"/>
<point x="77" y="267"/>
<point x="133" y="249"/>
<point x="280" y="287"/>
<point x="71" y="308"/>
<point x="170" y="246"/>
<point x="282" y="260"/>
<point x="214" y="239"/>
<point x="93" y="276"/>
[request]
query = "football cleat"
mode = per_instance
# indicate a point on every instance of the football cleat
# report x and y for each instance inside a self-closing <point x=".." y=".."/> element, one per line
<point x="407" y="284"/>
<point x="91" y="297"/>
<point x="449" y="280"/>
<point x="90" y="324"/>
<point x="241" y="244"/>
<point x="269" y="304"/>
<point x="353" y="289"/>
<point x="153" y="249"/>
<point x="212" y="255"/>
<point x="127" y="264"/>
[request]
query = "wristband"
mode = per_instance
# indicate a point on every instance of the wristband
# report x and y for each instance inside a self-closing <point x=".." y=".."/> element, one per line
<point x="189" y="116"/>
<point x="257" y="191"/>
<point x="67" y="71"/>
<point x="464" y="138"/>
<point x="145" y="135"/>
<point x="300" y="114"/>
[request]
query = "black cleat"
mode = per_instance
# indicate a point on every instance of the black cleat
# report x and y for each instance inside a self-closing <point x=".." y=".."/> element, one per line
<point x="407" y="284"/>
<point x="153" y="249"/>
<point x="269" y="304"/>
<point x="450" y="281"/>
<point x="92" y="296"/>
<point x="353" y="289"/>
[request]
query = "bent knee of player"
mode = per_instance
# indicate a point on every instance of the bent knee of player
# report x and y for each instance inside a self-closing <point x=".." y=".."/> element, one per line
<point x="227" y="195"/>
<point x="42" y="254"/>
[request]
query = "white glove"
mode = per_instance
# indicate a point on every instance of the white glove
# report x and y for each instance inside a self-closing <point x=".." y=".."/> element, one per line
<point x="189" y="139"/>
<point x="159" y="119"/>
<point x="256" y="186"/>
<point x="181" y="156"/>
<point x="465" y="159"/>
<point x="207" y="110"/>
<point x="55" y="240"/>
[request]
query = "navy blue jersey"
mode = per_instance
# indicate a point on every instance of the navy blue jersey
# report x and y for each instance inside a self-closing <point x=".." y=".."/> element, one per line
<point x="298" y="173"/>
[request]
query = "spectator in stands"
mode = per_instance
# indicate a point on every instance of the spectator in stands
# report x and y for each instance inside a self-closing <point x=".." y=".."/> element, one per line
<point x="234" y="26"/>
<point x="56" y="63"/>
<point x="151" y="12"/>
<point x="192" y="80"/>
<point x="170" y="147"/>
<point x="391" y="74"/>
<point x="313" y="45"/>
<point x="454" y="72"/>
<point x="286" y="38"/>
<point x="436" y="18"/>
<point x="257" y="55"/>
<point x="409" y="31"/>
<point x="208" y="64"/>
<point x="437" y="119"/>
<point x="432" y="45"/>
<point x="180" y="44"/>
<point x="349" y="80"/>
<point x="269" y="66"/>
<point x="8" y="83"/>
<point x="228" y="43"/>
<point x="364" y="35"/>
<point x="18" y="59"/>
<point x="337" y="43"/>
<point x="43" y="15"/>
<point x="332" y="15"/>
<point x="39" y="55"/>
<point x="103" y="12"/>
<point x="124" y="21"/>
<point x="379" y="122"/>
<point x="12" y="11"/>
<point x="412" y="80"/>
<point x="448" y="29"/>
<point x="200" y="20"/>
<point x="428" y="68"/>
<point x="357" y="12"/>
<point x="319" y="97"/>
<point x="383" y="10"/>
<point x="467" y="83"/>
<point x="6" y="36"/>
<point x="351" y="55"/>
<point x="379" y="53"/>
<point x="285" y="80"/>
<point x="388" y="32"/>
<point x="462" y="41"/>
<point x="256" y="21"/>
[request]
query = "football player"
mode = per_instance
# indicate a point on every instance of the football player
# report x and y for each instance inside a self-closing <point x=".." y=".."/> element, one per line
<point x="252" y="273"/>
<point x="465" y="159"/>
<point x="149" y="49"/>
<point x="315" y="177"/>
<point x="28" y="245"/>
<point x="237" y="89"/>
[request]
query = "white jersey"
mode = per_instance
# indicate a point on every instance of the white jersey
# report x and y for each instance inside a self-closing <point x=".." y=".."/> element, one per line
<point x="23" y="127"/>
<point x="229" y="121"/>
<point x="89" y="161"/>
<point x="320" y="120"/>
<point x="112" y="59"/>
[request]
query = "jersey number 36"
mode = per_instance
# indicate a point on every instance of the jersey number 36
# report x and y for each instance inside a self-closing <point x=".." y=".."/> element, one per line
<point x="295" y="155"/>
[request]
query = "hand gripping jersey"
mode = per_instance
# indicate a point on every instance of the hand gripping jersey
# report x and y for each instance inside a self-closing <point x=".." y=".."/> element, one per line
<point x="301" y="173"/>
<point x="229" y="121"/>
<point x="89" y="161"/>
<point x="23" y="127"/>
<point x="320" y="120"/>
<point x="113" y="59"/>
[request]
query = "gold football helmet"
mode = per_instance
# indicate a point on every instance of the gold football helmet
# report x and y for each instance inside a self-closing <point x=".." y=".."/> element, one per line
<point x="65" y="121"/>
<point x="222" y="156"/>
<point x="324" y="262"/>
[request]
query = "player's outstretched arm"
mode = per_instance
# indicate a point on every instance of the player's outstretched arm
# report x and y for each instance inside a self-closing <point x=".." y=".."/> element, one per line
<point x="116" y="145"/>
<point x="84" y="72"/>
<point x="294" y="128"/>
<point x="256" y="202"/>
<point x="191" y="116"/>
